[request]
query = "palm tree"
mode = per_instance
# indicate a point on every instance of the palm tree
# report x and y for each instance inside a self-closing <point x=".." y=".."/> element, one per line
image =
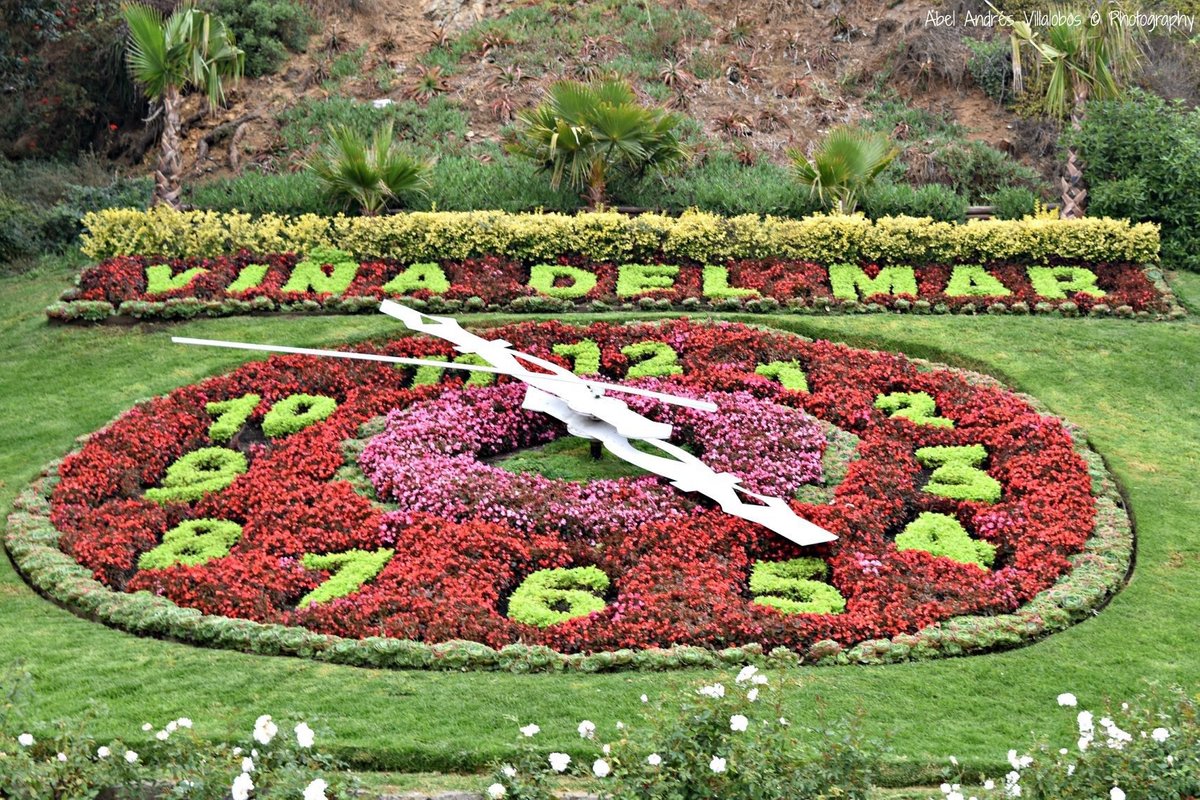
<point x="1088" y="53"/>
<point x="843" y="166"/>
<point x="586" y="134"/>
<point x="370" y="175"/>
<point x="168" y="56"/>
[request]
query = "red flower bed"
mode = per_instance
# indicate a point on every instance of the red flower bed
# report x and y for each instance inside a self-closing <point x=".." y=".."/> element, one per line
<point x="673" y="580"/>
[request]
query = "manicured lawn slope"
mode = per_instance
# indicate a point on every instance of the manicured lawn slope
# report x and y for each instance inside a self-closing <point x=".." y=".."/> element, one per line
<point x="1132" y="386"/>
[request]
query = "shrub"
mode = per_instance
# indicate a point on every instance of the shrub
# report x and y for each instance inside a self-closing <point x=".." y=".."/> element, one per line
<point x="990" y="65"/>
<point x="1013" y="202"/>
<point x="900" y="199"/>
<point x="712" y="741"/>
<point x="461" y="182"/>
<point x="291" y="193"/>
<point x="1149" y="747"/>
<point x="591" y="134"/>
<point x="425" y="236"/>
<point x="843" y="166"/>
<point x="721" y="185"/>
<point x="368" y="176"/>
<point x="63" y="760"/>
<point x="975" y="169"/>
<point x="431" y="125"/>
<point x="19" y="229"/>
<point x="1141" y="158"/>
<point x="267" y="30"/>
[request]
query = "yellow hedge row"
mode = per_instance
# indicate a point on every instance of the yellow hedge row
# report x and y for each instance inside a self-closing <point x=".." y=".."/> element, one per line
<point x="610" y="236"/>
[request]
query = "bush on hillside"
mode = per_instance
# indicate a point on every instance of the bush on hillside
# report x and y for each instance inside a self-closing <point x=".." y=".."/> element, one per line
<point x="267" y="30"/>
<point x="1141" y="159"/>
<point x="900" y="199"/>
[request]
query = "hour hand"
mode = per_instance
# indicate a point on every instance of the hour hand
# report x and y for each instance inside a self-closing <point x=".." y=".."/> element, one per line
<point x="580" y="414"/>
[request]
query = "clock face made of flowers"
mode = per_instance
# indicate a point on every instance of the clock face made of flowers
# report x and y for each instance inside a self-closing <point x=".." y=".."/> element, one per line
<point x="360" y="499"/>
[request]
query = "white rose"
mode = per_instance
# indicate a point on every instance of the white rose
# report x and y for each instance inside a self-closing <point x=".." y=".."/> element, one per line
<point x="752" y="695"/>
<point x="265" y="729"/>
<point x="25" y="740"/>
<point x="162" y="736"/>
<point x="509" y="771"/>
<point x="304" y="735"/>
<point x="738" y="723"/>
<point x="62" y="757"/>
<point x="1116" y="793"/>
<point x="1067" y="699"/>
<point x="242" y="786"/>
<point x="496" y="791"/>
<point x="316" y="790"/>
<point x="247" y="765"/>
<point x="131" y="756"/>
<point x="601" y="769"/>
<point x="103" y="752"/>
<point x="1159" y="734"/>
<point x="746" y="674"/>
<point x="654" y="759"/>
<point x="717" y="764"/>
<point x="559" y="761"/>
<point x="530" y="730"/>
<point x="587" y="729"/>
<point x="184" y="722"/>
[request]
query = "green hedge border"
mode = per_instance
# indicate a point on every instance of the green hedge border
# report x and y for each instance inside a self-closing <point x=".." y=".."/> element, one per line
<point x="610" y="236"/>
<point x="1097" y="574"/>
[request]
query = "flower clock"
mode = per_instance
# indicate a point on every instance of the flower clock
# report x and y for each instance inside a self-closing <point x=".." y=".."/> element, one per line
<point x="382" y="514"/>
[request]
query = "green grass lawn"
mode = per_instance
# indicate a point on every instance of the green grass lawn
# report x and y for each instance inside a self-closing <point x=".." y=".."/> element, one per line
<point x="1133" y="386"/>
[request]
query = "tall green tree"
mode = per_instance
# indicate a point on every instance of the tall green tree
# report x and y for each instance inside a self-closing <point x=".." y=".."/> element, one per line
<point x="166" y="57"/>
<point x="588" y="134"/>
<point x="843" y="166"/>
<point x="1087" y="52"/>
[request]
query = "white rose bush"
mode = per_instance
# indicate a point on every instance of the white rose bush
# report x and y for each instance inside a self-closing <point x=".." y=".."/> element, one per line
<point x="1146" y="748"/>
<point x="63" y="762"/>
<point x="717" y="741"/>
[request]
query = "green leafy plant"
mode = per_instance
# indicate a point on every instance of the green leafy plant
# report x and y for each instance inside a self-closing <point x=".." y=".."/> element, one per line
<point x="369" y="176"/>
<point x="191" y="543"/>
<point x="167" y="56"/>
<point x="1141" y="157"/>
<point x="267" y="30"/>
<point x="550" y="596"/>
<point x="588" y="134"/>
<point x="887" y="199"/>
<point x="843" y="166"/>
<point x="295" y="413"/>
<point x="943" y="535"/>
<point x="957" y="473"/>
<point x="795" y="587"/>
<point x="1013" y="202"/>
<point x="990" y="67"/>
<point x="1087" y="53"/>
<point x="197" y="474"/>
<point x="350" y="569"/>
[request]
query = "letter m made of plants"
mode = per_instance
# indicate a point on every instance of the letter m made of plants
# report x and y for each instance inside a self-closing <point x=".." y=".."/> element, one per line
<point x="851" y="282"/>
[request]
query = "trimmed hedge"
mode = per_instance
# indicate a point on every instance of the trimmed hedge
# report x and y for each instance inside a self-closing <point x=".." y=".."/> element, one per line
<point x="1096" y="574"/>
<point x="609" y="236"/>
